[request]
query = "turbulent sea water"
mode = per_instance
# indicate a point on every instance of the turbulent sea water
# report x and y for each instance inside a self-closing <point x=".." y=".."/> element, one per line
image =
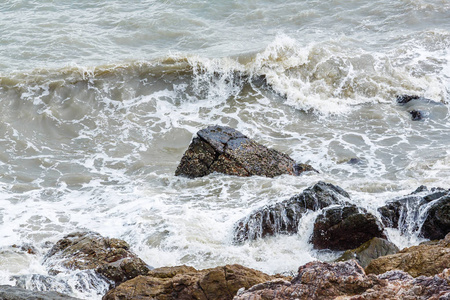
<point x="100" y="99"/>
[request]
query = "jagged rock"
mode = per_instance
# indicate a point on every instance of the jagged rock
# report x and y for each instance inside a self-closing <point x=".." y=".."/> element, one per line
<point x="369" y="251"/>
<point x="427" y="212"/>
<point x="317" y="280"/>
<point x="427" y="259"/>
<point x="403" y="99"/>
<point x="225" y="150"/>
<point x="80" y="280"/>
<point x="8" y="292"/>
<point x="284" y="217"/>
<point x="88" y="250"/>
<point x="416" y="115"/>
<point x="220" y="283"/>
<point x="345" y="227"/>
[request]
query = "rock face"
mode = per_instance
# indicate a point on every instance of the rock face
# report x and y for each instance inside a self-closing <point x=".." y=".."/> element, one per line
<point x="369" y="251"/>
<point x="183" y="282"/>
<point x="345" y="227"/>
<point x="284" y="217"/>
<point x="425" y="211"/>
<point x="225" y="150"/>
<point x="317" y="280"/>
<point x="15" y="293"/>
<point x="89" y="250"/>
<point x="426" y="259"/>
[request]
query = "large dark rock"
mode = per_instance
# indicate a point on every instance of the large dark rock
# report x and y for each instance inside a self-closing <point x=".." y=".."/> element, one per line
<point x="345" y="227"/>
<point x="369" y="251"/>
<point x="88" y="250"/>
<point x="318" y="280"/>
<point x="221" y="283"/>
<point x="426" y="259"/>
<point x="424" y="211"/>
<point x="403" y="99"/>
<point x="284" y="217"/>
<point x="8" y="292"/>
<point x="225" y="150"/>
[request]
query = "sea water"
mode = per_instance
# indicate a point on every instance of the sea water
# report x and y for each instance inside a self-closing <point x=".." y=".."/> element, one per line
<point x="100" y="99"/>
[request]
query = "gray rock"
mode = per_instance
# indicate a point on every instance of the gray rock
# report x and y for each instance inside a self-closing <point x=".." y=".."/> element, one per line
<point x="284" y="217"/>
<point x="424" y="211"/>
<point x="8" y="292"/>
<point x="225" y="150"/>
<point x="369" y="251"/>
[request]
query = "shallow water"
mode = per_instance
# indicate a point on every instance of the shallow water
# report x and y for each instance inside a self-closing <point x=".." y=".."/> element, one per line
<point x="100" y="100"/>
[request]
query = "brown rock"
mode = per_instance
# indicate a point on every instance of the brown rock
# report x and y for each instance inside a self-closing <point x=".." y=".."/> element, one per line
<point x="187" y="283"/>
<point x="225" y="150"/>
<point x="89" y="250"/>
<point x="426" y="259"/>
<point x="317" y="280"/>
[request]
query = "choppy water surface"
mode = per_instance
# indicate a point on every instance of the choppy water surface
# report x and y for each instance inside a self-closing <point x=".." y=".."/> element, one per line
<point x="99" y="101"/>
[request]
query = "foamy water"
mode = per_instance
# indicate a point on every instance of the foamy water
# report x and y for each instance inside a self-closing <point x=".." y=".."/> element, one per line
<point x="99" y="101"/>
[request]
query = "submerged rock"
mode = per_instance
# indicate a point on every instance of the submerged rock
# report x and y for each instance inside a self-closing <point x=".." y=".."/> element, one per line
<point x="423" y="211"/>
<point x="187" y="283"/>
<point x="369" y="251"/>
<point x="416" y="115"/>
<point x="284" y="217"/>
<point x="347" y="280"/>
<point x="88" y="250"/>
<point x="8" y="292"/>
<point x="345" y="227"/>
<point x="427" y="259"/>
<point x="225" y="150"/>
<point x="403" y="99"/>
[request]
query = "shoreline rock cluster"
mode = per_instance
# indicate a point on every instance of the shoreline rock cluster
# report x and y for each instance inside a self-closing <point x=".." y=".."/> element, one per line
<point x="418" y="272"/>
<point x="370" y="268"/>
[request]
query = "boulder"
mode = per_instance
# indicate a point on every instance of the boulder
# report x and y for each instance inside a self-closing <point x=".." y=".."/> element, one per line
<point x="284" y="217"/>
<point x="8" y="292"/>
<point x="347" y="280"/>
<point x="424" y="211"/>
<point x="345" y="227"/>
<point x="183" y="282"/>
<point x="88" y="250"/>
<point x="369" y="251"/>
<point x="225" y="150"/>
<point x="427" y="259"/>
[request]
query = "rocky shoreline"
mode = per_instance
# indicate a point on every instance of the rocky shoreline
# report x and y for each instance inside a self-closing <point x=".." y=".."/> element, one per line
<point x="418" y="272"/>
<point x="370" y="268"/>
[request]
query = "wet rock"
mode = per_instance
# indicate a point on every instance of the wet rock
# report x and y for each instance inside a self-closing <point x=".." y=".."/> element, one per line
<point x="426" y="259"/>
<point x="8" y="292"/>
<point x="187" y="283"/>
<point x="424" y="211"/>
<point x="284" y="217"/>
<point x="416" y="115"/>
<point x="403" y="99"/>
<point x="345" y="227"/>
<point x="354" y="161"/>
<point x="88" y="250"/>
<point x="317" y="280"/>
<point x="225" y="150"/>
<point x="70" y="283"/>
<point x="28" y="248"/>
<point x="369" y="251"/>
